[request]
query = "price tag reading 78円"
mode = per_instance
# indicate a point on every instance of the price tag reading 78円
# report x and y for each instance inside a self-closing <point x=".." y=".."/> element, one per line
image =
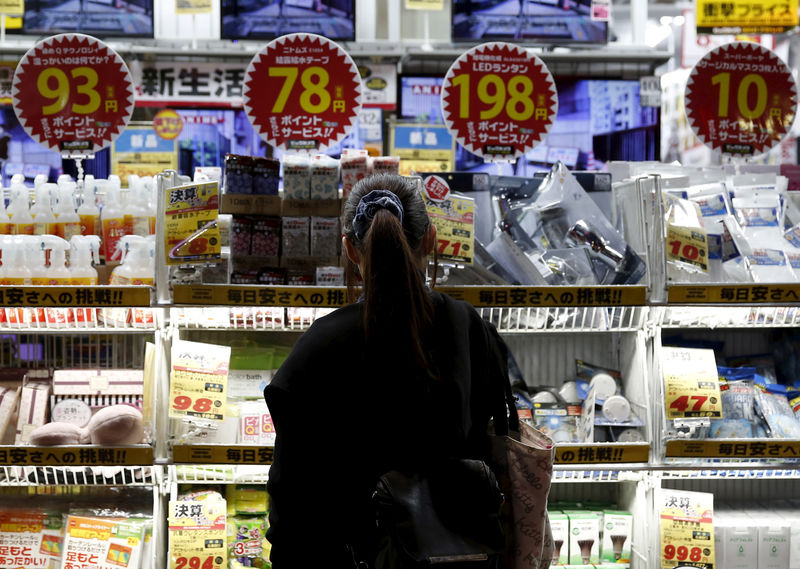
<point x="302" y="92"/>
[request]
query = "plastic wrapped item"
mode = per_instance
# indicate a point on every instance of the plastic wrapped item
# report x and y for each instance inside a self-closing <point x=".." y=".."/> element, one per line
<point x="266" y="237"/>
<point x="686" y="247"/>
<point x="296" y="177"/>
<point x="266" y="176"/>
<point x="241" y="232"/>
<point x="570" y="266"/>
<point x="325" y="236"/>
<point x="774" y="408"/>
<point x="769" y="266"/>
<point x="330" y="276"/>
<point x="295" y="232"/>
<point x="238" y="174"/>
<point x="385" y="165"/>
<point x="738" y="411"/>
<point x="324" y="178"/>
<point x="355" y="166"/>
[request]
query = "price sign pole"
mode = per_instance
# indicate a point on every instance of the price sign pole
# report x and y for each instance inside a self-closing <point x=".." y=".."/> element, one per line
<point x="302" y="93"/>
<point x="499" y="101"/>
<point x="73" y="94"/>
<point x="741" y="100"/>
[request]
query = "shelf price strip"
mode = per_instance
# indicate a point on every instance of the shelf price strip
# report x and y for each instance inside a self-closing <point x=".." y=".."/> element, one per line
<point x="741" y="99"/>
<point x="739" y="294"/>
<point x="499" y="101"/>
<point x="769" y="448"/>
<point x="219" y="454"/>
<point x="302" y="92"/>
<point x="76" y="456"/>
<point x="73" y="94"/>
<point x="66" y="296"/>
<point x="602" y="454"/>
<point x="687" y="529"/>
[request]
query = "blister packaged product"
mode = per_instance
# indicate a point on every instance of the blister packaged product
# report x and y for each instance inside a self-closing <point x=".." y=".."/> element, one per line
<point x="266" y="176"/>
<point x="607" y="382"/>
<point x="769" y="266"/>
<point x="295" y="234"/>
<point x="325" y="236"/>
<point x="775" y="410"/>
<point x="738" y="410"/>
<point x="271" y="276"/>
<point x="246" y="500"/>
<point x="759" y="218"/>
<point x="300" y="277"/>
<point x="245" y="539"/>
<point x="686" y="244"/>
<point x="266" y="237"/>
<point x="570" y="266"/>
<point x="296" y="177"/>
<point x="238" y="174"/>
<point x="791" y="224"/>
<point x="324" y="177"/>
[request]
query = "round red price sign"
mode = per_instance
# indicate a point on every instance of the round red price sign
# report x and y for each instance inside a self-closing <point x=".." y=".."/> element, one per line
<point x="499" y="101"/>
<point x="73" y="94"/>
<point x="302" y="92"/>
<point x="741" y="99"/>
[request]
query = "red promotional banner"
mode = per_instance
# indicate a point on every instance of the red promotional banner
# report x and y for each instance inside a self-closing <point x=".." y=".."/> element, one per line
<point x="302" y="92"/>
<point x="73" y="94"/>
<point x="741" y="99"/>
<point x="499" y="101"/>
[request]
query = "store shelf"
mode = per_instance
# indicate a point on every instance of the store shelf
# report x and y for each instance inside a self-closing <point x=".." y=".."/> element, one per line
<point x="735" y="293"/>
<point x="79" y="320"/>
<point x="602" y="453"/>
<point x="746" y="472"/>
<point x="730" y="317"/>
<point x="82" y="455"/>
<point x="246" y="318"/>
<point x="760" y="449"/>
<point x="75" y="296"/>
<point x="525" y="320"/>
<point x="78" y="476"/>
<point x="222" y="454"/>
<point x="218" y="474"/>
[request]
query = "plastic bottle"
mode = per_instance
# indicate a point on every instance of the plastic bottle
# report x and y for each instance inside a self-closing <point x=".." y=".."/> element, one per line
<point x="6" y="227"/>
<point x="39" y="179"/>
<point x="56" y="273"/>
<point x="18" y="179"/>
<point x="88" y="212"/>
<point x="138" y="207"/>
<point x="150" y="187"/>
<point x="127" y="202"/>
<point x="83" y="250"/>
<point x="68" y="222"/>
<point x="63" y="179"/>
<point x="138" y="262"/>
<point x="19" y="212"/>
<point x="44" y="221"/>
<point x="15" y="268"/>
<point x="112" y="223"/>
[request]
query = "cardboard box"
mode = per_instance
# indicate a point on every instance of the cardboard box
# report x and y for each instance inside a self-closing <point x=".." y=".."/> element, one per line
<point x="98" y="382"/>
<point x="559" y="526"/>
<point x="617" y="536"/>
<point x="33" y="409"/>
<point x="584" y="537"/>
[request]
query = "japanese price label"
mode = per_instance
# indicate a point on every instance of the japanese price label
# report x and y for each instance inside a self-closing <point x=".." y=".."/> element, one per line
<point x="198" y="381"/>
<point x="454" y="219"/>
<point x="190" y="231"/>
<point x="741" y="99"/>
<point x="746" y="16"/>
<point x="302" y="92"/>
<point x="197" y="534"/>
<point x="73" y="94"/>
<point x="499" y="101"/>
<point x="21" y="539"/>
<point x="691" y="383"/>
<point x="687" y="245"/>
<point x="12" y="7"/>
<point x="167" y="124"/>
<point x="102" y="543"/>
<point x="687" y="529"/>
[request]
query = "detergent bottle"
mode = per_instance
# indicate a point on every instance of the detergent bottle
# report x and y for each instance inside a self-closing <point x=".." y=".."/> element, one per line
<point x="6" y="227"/>
<point x="84" y="249"/>
<point x="138" y="262"/>
<point x="112" y="222"/>
<point x="55" y="272"/>
<point x="44" y="220"/>
<point x="88" y="212"/>
<point x="140" y="224"/>
<point x="19" y="212"/>
<point x="68" y="222"/>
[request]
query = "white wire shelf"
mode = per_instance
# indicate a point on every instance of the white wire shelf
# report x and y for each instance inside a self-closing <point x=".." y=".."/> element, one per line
<point x="78" y="476"/>
<point x="246" y="318"/>
<point x="729" y="317"/>
<point x="769" y="472"/>
<point x="218" y="474"/>
<point x="79" y="320"/>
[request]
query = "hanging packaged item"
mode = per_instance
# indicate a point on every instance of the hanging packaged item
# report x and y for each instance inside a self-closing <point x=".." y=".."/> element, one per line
<point x="191" y="234"/>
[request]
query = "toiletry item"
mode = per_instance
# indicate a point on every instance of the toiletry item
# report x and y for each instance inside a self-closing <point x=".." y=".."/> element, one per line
<point x="88" y="212"/>
<point x="84" y="249"/>
<point x="68" y="222"/>
<point x="137" y="261"/>
<point x="55" y="272"/>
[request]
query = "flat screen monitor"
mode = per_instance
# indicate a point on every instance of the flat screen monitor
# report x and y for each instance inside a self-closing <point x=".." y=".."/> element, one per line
<point x="529" y="21"/>
<point x="99" y="18"/>
<point x="269" y="19"/>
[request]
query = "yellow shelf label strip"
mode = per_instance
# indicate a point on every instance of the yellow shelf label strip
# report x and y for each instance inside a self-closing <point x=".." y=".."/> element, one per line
<point x="603" y="453"/>
<point x="219" y="454"/>
<point x="76" y="456"/>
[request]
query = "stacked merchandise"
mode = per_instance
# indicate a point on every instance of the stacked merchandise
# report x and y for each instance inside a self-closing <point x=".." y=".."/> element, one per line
<point x="760" y="536"/>
<point x="590" y="535"/>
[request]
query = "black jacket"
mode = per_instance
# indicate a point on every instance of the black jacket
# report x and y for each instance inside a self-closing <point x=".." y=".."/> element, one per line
<point x="344" y="415"/>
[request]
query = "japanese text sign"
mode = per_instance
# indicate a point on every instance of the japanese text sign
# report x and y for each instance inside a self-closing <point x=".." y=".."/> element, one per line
<point x="73" y="94"/>
<point x="454" y="219"/>
<point x="499" y="101"/>
<point x="691" y="383"/>
<point x="687" y="529"/>
<point x="198" y="382"/>
<point x="741" y="99"/>
<point x="197" y="534"/>
<point x="746" y="16"/>
<point x="302" y="92"/>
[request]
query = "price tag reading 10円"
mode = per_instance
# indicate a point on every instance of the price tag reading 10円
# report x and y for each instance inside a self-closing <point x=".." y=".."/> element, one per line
<point x="302" y="93"/>
<point x="499" y="101"/>
<point x="741" y="99"/>
<point x="73" y="94"/>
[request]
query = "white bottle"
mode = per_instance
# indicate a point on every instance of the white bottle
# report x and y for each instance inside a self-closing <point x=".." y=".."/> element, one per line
<point x="17" y="179"/>
<point x="83" y="250"/>
<point x="56" y="273"/>
<point x="39" y="179"/>
<point x="138" y="262"/>
<point x="88" y="212"/>
<point x="19" y="212"/>
<point x="6" y="227"/>
<point x="140" y="212"/>
<point x="68" y="222"/>
<point x="112" y="222"/>
<point x="44" y="221"/>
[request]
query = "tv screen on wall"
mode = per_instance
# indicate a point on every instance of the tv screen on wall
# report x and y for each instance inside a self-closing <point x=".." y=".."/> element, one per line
<point x="99" y="18"/>
<point x="269" y="19"/>
<point x="530" y="21"/>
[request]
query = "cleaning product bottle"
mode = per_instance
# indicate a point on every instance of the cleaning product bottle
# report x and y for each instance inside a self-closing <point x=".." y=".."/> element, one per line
<point x="18" y="179"/>
<point x="152" y="192"/>
<point x="68" y="222"/>
<point x="15" y="268"/>
<point x="6" y="227"/>
<point x="18" y="210"/>
<point x="139" y="207"/>
<point x="63" y="179"/>
<point x="83" y="250"/>
<point x="138" y="262"/>
<point x="127" y="202"/>
<point x="88" y="212"/>
<point x="38" y="180"/>
<point x="56" y="272"/>
<point x="44" y="221"/>
<point x="112" y="220"/>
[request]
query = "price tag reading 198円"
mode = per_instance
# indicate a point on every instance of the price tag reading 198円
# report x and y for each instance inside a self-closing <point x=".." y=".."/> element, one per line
<point x="741" y="99"/>
<point x="302" y="92"/>
<point x="499" y="101"/>
<point x="73" y="94"/>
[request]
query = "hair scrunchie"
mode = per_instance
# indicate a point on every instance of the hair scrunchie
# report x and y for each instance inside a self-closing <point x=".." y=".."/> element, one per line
<point x="369" y="206"/>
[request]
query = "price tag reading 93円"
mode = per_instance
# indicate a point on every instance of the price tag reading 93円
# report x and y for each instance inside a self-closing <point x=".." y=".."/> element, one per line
<point x="741" y="99"/>
<point x="73" y="94"/>
<point x="302" y="92"/>
<point x="499" y="101"/>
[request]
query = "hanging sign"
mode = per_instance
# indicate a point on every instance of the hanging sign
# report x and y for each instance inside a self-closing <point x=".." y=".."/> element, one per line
<point x="746" y="16"/>
<point x="168" y="124"/>
<point x="741" y="99"/>
<point x="73" y="94"/>
<point x="302" y="92"/>
<point x="499" y="101"/>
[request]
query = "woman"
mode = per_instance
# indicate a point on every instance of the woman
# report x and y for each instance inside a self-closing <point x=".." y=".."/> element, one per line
<point x="401" y="375"/>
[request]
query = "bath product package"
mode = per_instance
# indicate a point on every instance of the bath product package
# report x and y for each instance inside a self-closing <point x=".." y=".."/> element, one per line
<point x="324" y="178"/>
<point x="296" y="177"/>
<point x="617" y="535"/>
<point x="295" y="234"/>
<point x="559" y="526"/>
<point x="325" y="236"/>
<point x="584" y="536"/>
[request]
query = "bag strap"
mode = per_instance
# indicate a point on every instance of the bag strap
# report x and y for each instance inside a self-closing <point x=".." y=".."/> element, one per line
<point x="504" y="407"/>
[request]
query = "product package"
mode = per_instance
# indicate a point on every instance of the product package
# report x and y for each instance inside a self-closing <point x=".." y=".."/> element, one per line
<point x="385" y="165"/>
<point x="329" y="276"/>
<point x="238" y="174"/>
<point x="296" y="177"/>
<point x="266" y="175"/>
<point x="738" y="411"/>
<point x="584" y="537"/>
<point x="255" y="424"/>
<point x="325" y="236"/>
<point x="559" y="526"/>
<point x="102" y="543"/>
<point x="241" y="232"/>
<point x="324" y="178"/>
<point x="617" y="534"/>
<point x="266" y="237"/>
<point x="774" y="408"/>
<point x="295" y="234"/>
<point x="355" y="166"/>
<point x="33" y="409"/>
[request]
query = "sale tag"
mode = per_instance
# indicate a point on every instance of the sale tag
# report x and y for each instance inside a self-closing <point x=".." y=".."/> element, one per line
<point x="302" y="92"/>
<point x="499" y="101"/>
<point x="454" y="219"/>
<point x="190" y="230"/>
<point x="741" y="99"/>
<point x="197" y="534"/>
<point x="691" y="383"/>
<point x="73" y="94"/>
<point x="746" y="16"/>
<point x="687" y="529"/>
<point x="687" y="245"/>
<point x="167" y="124"/>
<point x="198" y="381"/>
